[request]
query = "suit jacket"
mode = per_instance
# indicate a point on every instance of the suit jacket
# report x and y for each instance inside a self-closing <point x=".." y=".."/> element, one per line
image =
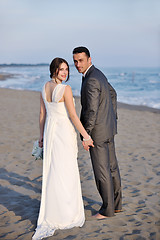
<point x="99" y="106"/>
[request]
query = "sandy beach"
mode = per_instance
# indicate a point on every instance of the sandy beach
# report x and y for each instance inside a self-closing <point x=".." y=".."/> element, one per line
<point x="138" y="153"/>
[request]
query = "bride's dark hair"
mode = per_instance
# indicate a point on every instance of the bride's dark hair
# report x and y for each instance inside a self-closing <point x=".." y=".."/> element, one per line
<point x="55" y="67"/>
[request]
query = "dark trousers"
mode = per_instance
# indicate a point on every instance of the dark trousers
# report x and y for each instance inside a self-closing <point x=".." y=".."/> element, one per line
<point x="107" y="176"/>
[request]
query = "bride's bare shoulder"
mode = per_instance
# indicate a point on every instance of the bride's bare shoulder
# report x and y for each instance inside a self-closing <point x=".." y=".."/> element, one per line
<point x="68" y="88"/>
<point x="47" y="84"/>
<point x="68" y="91"/>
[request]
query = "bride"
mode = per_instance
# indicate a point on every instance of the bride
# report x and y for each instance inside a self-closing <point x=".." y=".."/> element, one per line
<point x="61" y="200"/>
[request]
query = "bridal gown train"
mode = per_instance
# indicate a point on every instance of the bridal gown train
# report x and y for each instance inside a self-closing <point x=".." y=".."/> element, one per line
<point x="61" y="200"/>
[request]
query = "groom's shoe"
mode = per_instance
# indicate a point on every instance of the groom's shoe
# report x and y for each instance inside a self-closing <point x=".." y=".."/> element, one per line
<point x="99" y="216"/>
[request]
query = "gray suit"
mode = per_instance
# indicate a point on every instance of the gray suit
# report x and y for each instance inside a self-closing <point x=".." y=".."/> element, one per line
<point x="99" y="118"/>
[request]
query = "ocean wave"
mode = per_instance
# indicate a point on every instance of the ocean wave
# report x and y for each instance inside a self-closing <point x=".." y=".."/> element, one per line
<point x="133" y="86"/>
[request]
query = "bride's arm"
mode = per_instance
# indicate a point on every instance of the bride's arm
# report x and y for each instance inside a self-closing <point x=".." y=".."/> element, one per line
<point x="42" y="118"/>
<point x="68" y="99"/>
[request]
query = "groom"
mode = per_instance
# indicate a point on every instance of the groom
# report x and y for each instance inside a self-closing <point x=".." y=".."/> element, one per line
<point x="99" y="118"/>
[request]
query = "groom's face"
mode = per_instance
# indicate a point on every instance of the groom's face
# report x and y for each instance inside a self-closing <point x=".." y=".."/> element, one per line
<point x="81" y="62"/>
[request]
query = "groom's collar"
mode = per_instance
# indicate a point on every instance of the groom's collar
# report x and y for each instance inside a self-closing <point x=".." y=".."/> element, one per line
<point x="87" y="70"/>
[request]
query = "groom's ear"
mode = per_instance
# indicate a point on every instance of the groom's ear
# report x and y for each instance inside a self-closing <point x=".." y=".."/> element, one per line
<point x="90" y="60"/>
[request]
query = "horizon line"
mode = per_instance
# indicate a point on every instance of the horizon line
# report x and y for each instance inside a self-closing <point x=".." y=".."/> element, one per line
<point x="70" y="64"/>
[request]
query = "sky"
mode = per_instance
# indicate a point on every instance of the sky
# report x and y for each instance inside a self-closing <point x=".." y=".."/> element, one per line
<point x="117" y="32"/>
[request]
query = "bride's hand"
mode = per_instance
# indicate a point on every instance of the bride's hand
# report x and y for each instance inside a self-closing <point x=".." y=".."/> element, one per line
<point x="40" y="142"/>
<point x="87" y="144"/>
<point x="86" y="147"/>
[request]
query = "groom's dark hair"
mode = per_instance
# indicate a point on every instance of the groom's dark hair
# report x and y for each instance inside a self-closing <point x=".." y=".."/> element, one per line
<point x="81" y="50"/>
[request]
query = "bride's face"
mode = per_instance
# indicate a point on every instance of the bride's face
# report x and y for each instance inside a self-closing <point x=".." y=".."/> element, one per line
<point x="63" y="72"/>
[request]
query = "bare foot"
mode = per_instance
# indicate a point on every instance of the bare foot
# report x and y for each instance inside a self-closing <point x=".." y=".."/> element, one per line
<point x="99" y="216"/>
<point x="118" y="211"/>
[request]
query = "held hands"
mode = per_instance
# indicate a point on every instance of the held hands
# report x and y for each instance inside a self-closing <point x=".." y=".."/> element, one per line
<point x="87" y="143"/>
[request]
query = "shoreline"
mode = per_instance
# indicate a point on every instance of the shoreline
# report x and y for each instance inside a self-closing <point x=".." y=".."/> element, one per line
<point x="119" y="104"/>
<point x="5" y="76"/>
<point x="138" y="107"/>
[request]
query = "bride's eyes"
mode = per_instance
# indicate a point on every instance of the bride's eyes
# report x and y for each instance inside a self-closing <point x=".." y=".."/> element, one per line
<point x="62" y="69"/>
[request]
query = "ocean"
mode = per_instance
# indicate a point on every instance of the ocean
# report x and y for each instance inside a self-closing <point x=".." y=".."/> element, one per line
<point x="136" y="86"/>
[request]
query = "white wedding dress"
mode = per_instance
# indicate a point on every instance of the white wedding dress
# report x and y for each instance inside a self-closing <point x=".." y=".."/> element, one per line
<point x="61" y="201"/>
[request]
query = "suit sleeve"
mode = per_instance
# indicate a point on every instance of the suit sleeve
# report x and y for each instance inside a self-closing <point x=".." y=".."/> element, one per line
<point x="113" y="98"/>
<point x="92" y="92"/>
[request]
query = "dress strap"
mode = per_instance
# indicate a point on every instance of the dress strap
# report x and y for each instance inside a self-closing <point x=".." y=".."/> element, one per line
<point x="58" y="92"/>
